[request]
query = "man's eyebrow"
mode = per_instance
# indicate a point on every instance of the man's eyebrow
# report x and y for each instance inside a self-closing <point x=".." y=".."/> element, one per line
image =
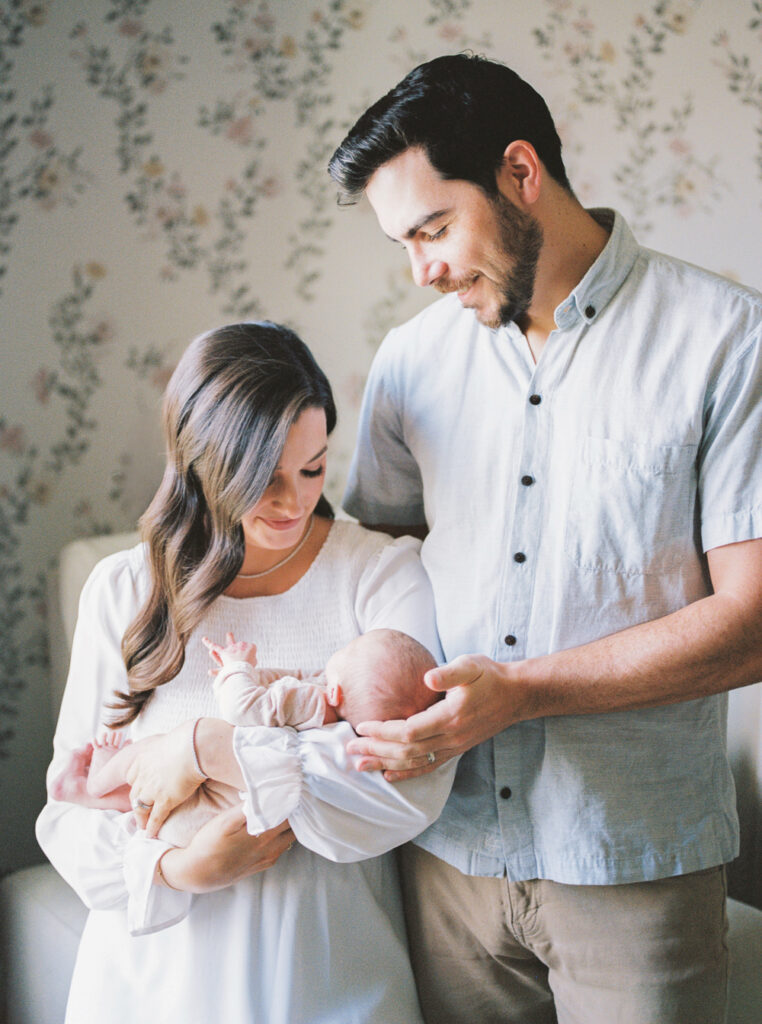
<point x="413" y="231"/>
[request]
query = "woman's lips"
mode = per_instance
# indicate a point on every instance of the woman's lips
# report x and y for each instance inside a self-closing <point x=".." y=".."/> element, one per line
<point x="281" y="524"/>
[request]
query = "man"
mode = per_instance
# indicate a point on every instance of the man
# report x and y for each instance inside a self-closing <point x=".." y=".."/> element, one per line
<point x="576" y="429"/>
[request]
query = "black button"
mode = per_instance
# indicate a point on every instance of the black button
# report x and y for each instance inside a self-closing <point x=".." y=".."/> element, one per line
<point x="589" y="311"/>
<point x="519" y="557"/>
<point x="510" y="640"/>
<point x="527" y="481"/>
<point x="535" y="399"/>
<point x="505" y="792"/>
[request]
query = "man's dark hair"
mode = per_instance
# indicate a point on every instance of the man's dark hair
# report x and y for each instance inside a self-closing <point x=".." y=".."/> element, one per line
<point x="462" y="110"/>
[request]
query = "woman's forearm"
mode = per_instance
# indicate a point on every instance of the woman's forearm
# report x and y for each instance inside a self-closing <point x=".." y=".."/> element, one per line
<point x="214" y="751"/>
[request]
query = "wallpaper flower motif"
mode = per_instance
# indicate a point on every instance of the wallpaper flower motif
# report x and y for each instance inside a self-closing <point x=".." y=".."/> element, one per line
<point x="162" y="169"/>
<point x="658" y="166"/>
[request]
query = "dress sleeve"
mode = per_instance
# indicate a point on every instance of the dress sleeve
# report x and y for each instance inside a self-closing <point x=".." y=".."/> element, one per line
<point x="394" y="592"/>
<point x="333" y="809"/>
<point x="100" y="853"/>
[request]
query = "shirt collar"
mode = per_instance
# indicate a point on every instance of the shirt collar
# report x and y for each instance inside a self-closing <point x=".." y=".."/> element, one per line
<point x="606" y="275"/>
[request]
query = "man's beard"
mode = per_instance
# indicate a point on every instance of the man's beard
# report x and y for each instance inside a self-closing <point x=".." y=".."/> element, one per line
<point x="520" y="240"/>
<point x="518" y="245"/>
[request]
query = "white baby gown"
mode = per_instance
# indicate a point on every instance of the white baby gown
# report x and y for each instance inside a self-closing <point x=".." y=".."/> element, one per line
<point x="312" y="940"/>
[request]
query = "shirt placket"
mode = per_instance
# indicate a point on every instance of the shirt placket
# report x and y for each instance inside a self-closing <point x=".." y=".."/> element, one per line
<point x="518" y="576"/>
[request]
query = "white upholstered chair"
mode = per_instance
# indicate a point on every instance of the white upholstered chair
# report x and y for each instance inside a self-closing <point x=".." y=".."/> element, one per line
<point x="41" y="918"/>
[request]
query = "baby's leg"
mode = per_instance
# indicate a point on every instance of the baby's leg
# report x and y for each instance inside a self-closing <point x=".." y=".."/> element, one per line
<point x="73" y="784"/>
<point x="112" y="756"/>
<point x="104" y="748"/>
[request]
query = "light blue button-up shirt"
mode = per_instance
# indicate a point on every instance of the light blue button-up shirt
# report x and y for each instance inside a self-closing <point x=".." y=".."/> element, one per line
<point x="608" y="467"/>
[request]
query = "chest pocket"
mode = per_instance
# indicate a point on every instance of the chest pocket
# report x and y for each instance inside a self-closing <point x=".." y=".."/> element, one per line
<point x="632" y="508"/>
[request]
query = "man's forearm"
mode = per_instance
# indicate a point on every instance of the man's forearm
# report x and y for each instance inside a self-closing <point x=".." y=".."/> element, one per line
<point x="707" y="647"/>
<point x="711" y="645"/>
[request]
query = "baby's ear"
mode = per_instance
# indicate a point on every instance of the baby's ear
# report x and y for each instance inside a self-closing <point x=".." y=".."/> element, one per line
<point x="333" y="694"/>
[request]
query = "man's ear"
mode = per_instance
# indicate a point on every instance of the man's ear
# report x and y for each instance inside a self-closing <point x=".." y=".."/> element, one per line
<point x="520" y="175"/>
<point x="333" y="694"/>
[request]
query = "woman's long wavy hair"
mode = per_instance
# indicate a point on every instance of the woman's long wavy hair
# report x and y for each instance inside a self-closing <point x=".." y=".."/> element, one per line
<point x="227" y="411"/>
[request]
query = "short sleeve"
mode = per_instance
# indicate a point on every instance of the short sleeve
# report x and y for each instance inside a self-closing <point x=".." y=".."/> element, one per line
<point x="384" y="483"/>
<point x="394" y="592"/>
<point x="730" y="479"/>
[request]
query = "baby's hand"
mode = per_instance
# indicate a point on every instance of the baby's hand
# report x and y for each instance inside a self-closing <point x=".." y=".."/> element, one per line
<point x="235" y="650"/>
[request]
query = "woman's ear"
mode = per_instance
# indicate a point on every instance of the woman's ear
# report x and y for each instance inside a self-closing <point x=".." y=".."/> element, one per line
<point x="519" y="177"/>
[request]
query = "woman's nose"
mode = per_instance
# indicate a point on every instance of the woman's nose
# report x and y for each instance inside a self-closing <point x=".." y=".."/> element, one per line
<point x="286" y="495"/>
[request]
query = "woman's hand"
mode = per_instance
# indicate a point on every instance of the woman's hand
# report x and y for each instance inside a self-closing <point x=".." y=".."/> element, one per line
<point x="163" y="774"/>
<point x="222" y="852"/>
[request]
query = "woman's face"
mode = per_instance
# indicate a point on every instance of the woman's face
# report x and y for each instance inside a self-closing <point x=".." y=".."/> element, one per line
<point x="280" y="517"/>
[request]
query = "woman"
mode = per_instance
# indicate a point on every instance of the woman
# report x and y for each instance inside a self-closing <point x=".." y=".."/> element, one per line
<point x="239" y="927"/>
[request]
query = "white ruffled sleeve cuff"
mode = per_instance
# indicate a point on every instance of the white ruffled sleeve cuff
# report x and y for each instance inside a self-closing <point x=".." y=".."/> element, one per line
<point x="270" y="764"/>
<point x="333" y="809"/>
<point x="150" y="907"/>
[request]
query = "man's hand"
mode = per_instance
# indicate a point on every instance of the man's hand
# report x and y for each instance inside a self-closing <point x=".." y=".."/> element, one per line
<point x="478" y="703"/>
<point x="222" y="852"/>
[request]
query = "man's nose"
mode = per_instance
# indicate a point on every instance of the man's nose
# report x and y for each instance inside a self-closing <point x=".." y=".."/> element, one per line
<point x="425" y="270"/>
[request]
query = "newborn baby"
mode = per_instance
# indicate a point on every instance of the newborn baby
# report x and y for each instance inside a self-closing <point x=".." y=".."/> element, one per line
<point x="377" y="676"/>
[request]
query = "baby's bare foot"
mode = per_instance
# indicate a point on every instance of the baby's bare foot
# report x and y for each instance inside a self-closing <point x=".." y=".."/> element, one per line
<point x="105" y="747"/>
<point x="71" y="784"/>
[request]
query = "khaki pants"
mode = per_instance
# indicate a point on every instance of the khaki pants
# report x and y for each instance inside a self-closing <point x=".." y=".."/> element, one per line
<point x="485" y="950"/>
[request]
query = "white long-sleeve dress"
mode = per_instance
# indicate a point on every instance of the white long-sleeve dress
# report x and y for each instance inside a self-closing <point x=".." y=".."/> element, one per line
<point x="319" y="937"/>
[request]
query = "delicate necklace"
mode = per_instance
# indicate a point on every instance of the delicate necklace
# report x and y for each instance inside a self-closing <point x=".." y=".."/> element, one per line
<point x="266" y="572"/>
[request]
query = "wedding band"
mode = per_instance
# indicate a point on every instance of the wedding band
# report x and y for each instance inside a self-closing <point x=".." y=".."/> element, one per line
<point x="431" y="757"/>
<point x="139" y="805"/>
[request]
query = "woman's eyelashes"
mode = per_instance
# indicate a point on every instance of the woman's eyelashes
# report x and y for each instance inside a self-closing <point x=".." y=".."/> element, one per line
<point x="312" y="474"/>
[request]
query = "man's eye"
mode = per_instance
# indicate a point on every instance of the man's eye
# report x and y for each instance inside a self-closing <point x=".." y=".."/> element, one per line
<point x="437" y="234"/>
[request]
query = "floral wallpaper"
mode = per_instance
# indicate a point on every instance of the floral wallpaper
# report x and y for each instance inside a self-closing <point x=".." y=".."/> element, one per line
<point x="162" y="170"/>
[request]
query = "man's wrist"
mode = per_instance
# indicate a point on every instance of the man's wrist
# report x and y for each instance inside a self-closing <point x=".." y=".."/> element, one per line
<point x="523" y="692"/>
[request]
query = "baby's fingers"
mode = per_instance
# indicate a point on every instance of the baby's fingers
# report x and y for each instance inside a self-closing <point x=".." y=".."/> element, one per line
<point x="214" y="649"/>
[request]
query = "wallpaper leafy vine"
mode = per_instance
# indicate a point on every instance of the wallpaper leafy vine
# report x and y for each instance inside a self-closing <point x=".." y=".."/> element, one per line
<point x="162" y="170"/>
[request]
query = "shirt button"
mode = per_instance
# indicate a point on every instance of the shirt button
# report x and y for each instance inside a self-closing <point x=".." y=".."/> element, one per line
<point x="590" y="311"/>
<point x="519" y="557"/>
<point x="510" y="640"/>
<point x="505" y="792"/>
<point x="527" y="480"/>
<point x="535" y="399"/>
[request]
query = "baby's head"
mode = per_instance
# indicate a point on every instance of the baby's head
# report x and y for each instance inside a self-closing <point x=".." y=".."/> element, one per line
<point x="379" y="676"/>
